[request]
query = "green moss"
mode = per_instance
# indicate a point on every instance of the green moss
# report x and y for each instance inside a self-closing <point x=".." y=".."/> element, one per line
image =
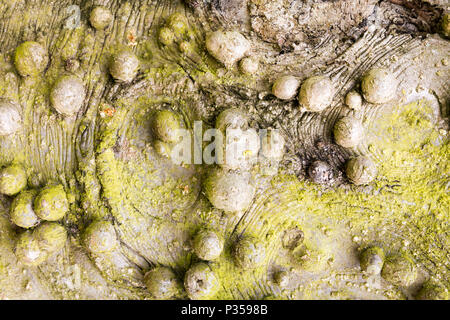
<point x="28" y="251"/>
<point x="166" y="125"/>
<point x="178" y="23"/>
<point x="186" y="47"/>
<point x="166" y="36"/>
<point x="355" y="206"/>
<point x="106" y="194"/>
<point x="409" y="194"/>
<point x="68" y="44"/>
<point x="399" y="270"/>
<point x="249" y="253"/>
<point x="30" y="58"/>
<point x="162" y="148"/>
<point x="433" y="291"/>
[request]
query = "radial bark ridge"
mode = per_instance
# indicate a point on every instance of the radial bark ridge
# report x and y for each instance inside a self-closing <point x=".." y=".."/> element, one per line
<point x="104" y="155"/>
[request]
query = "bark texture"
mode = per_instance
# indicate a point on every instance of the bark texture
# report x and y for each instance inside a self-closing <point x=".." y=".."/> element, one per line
<point x="103" y="155"/>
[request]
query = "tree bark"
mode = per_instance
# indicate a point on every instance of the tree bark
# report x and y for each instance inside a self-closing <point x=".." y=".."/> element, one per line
<point x="110" y="170"/>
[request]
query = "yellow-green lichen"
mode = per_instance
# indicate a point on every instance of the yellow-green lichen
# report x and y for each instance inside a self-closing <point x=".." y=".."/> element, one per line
<point x="51" y="203"/>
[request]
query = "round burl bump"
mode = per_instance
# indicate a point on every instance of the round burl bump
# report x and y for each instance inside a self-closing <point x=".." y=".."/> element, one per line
<point x="30" y="58"/>
<point x="13" y="179"/>
<point x="100" y="18"/>
<point x="162" y="283"/>
<point x="361" y="170"/>
<point x="379" y="86"/>
<point x="208" y="245"/>
<point x="166" y="36"/>
<point x="166" y="125"/>
<point x="100" y="237"/>
<point x="249" y="65"/>
<point x="399" y="270"/>
<point x="200" y="282"/>
<point x="124" y="66"/>
<point x="67" y="95"/>
<point x="232" y="118"/>
<point x="227" y="47"/>
<point x="178" y="23"/>
<point x="372" y="260"/>
<point x="286" y="87"/>
<point x="52" y="236"/>
<point x="316" y="93"/>
<point x="353" y="100"/>
<point x="21" y="212"/>
<point x="348" y="132"/>
<point x="229" y="191"/>
<point x="10" y="119"/>
<point x="28" y="251"/>
<point x="249" y="253"/>
<point x="432" y="291"/>
<point x="321" y="172"/>
<point x="51" y="203"/>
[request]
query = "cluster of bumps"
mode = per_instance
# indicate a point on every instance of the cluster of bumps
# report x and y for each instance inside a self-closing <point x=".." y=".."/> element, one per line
<point x="40" y="212"/>
<point x="316" y="93"/>
<point x="37" y="211"/>
<point x="228" y="186"/>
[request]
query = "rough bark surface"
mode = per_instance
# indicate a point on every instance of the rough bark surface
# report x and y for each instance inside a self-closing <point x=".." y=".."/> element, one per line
<point x="110" y="170"/>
